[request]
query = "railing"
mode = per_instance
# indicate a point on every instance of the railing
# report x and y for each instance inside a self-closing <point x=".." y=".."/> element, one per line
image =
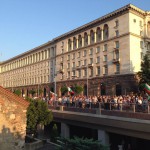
<point x="119" y="107"/>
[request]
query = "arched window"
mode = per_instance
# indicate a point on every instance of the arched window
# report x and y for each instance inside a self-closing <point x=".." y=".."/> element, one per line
<point x="98" y="34"/>
<point x="74" y="43"/>
<point x="69" y="44"/>
<point x="118" y="89"/>
<point x="92" y="37"/>
<point x="80" y="41"/>
<point x="148" y="29"/>
<point x="106" y="32"/>
<point x="85" y="39"/>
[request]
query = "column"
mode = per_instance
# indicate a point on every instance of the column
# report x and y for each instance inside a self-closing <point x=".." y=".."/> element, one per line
<point x="95" y="37"/>
<point x="89" y="39"/>
<point x="77" y="44"/>
<point x="71" y="45"/>
<point x="103" y="136"/>
<point x="82" y="41"/>
<point x="65" y="132"/>
<point x="102" y="32"/>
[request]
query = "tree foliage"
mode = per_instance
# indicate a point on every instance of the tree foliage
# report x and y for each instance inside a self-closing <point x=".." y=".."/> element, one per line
<point x="81" y="144"/>
<point x="38" y="113"/>
<point x="78" y="89"/>
<point x="64" y="89"/>
<point x="54" y="133"/>
<point x="144" y="74"/>
<point x="17" y="92"/>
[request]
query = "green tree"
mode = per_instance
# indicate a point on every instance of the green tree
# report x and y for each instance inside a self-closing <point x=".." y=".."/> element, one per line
<point x="38" y="113"/>
<point x="64" y="90"/>
<point x="32" y="92"/>
<point x="17" y="92"/>
<point x="144" y="74"/>
<point x="81" y="144"/>
<point x="78" y="89"/>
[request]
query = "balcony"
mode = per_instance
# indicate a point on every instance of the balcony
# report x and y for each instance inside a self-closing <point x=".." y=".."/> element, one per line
<point x="116" y="60"/>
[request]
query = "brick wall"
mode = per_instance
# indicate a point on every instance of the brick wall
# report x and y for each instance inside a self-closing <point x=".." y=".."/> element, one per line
<point x="12" y="120"/>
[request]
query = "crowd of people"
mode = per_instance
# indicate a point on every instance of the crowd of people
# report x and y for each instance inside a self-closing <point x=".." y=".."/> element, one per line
<point x="141" y="103"/>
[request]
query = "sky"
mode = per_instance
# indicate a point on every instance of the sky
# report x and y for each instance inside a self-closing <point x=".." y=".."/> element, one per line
<point x="26" y="24"/>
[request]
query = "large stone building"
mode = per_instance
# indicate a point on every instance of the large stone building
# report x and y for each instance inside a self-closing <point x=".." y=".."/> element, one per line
<point x="103" y="56"/>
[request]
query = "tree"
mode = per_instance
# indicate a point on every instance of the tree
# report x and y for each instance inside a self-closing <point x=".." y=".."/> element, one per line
<point x="78" y="89"/>
<point x="80" y="144"/>
<point x="64" y="90"/>
<point x="37" y="113"/>
<point x="144" y="74"/>
<point x="17" y="92"/>
<point x="32" y="92"/>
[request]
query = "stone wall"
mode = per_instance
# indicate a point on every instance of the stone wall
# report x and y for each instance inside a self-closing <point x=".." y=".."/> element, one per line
<point x="13" y="120"/>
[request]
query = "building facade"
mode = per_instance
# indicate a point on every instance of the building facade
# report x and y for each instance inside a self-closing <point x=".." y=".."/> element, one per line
<point x="102" y="56"/>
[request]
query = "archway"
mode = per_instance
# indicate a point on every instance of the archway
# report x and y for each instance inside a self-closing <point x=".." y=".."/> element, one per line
<point x="118" y="89"/>
<point x="103" y="89"/>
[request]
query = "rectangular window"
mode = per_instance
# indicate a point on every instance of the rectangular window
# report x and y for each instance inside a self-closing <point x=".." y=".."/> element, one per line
<point x="117" y="44"/>
<point x="78" y="54"/>
<point x="117" y="33"/>
<point x="97" y="49"/>
<point x="105" y="47"/>
<point x="141" y="44"/>
<point x="91" y="51"/>
<point x="73" y="65"/>
<point x="73" y="73"/>
<point x="68" y="57"/>
<point x="62" y="59"/>
<point x="98" y="59"/>
<point x="73" y="56"/>
<point x="98" y="70"/>
<point x="84" y="62"/>
<point x="84" y="53"/>
<point x="68" y="65"/>
<point x="68" y="74"/>
<point x="105" y="58"/>
<point x="105" y="70"/>
<point x="78" y="64"/>
<point x="91" y="60"/>
<point x="116" y="23"/>
<point x="117" y="68"/>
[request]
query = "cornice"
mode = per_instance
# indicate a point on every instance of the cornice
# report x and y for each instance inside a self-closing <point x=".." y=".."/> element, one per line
<point x="102" y="19"/>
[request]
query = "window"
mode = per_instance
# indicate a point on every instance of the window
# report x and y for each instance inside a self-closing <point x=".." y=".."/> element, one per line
<point x="105" y="70"/>
<point x="105" y="58"/>
<point x="73" y="56"/>
<point x="97" y="49"/>
<point x="98" y="70"/>
<point x="84" y="72"/>
<point x="117" y="44"/>
<point x="116" y="23"/>
<point x="117" y="68"/>
<point x="142" y="55"/>
<point x="140" y="23"/>
<point x="73" y="65"/>
<point x="78" y="54"/>
<point x="84" y="53"/>
<point x="91" y="60"/>
<point x="91" y="51"/>
<point x="73" y="73"/>
<point x="105" y="47"/>
<point x="98" y="59"/>
<point x="62" y="51"/>
<point x="141" y="44"/>
<point x="68" y="57"/>
<point x="117" y="33"/>
<point x="68" y="65"/>
<point x="91" y="72"/>
<point x="68" y="74"/>
<point x="134" y="20"/>
<point x="62" y="58"/>
<point x="84" y="62"/>
<point x="78" y="64"/>
<point x="79" y="73"/>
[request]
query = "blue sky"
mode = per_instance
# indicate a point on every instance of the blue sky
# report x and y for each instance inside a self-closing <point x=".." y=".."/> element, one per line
<point x="26" y="24"/>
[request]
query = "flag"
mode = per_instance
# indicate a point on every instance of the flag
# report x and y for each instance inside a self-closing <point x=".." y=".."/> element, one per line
<point x="52" y="93"/>
<point x="70" y="91"/>
<point x="146" y="88"/>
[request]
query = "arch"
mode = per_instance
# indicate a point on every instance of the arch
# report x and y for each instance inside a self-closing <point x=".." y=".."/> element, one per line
<point x="106" y="32"/>
<point x="85" y="39"/>
<point x="92" y="38"/>
<point x="69" y="44"/>
<point x="118" y="89"/>
<point x="74" y="43"/>
<point x="148" y="28"/>
<point x="103" y="89"/>
<point x="98" y="34"/>
<point x="80" y="41"/>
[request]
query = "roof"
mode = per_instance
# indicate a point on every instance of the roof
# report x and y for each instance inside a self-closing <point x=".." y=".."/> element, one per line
<point x="14" y="97"/>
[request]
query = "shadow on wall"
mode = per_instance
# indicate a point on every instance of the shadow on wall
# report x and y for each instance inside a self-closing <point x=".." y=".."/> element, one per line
<point x="10" y="140"/>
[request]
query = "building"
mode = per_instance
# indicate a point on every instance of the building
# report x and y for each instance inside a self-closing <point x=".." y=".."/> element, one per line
<point x="103" y="56"/>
